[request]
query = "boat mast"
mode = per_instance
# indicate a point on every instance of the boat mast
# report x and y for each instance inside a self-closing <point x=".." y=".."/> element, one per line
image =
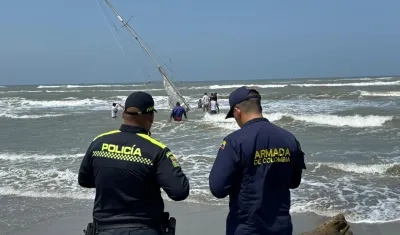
<point x="135" y="35"/>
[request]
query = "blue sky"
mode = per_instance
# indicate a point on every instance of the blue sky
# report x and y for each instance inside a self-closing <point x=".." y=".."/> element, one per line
<point x="68" y="41"/>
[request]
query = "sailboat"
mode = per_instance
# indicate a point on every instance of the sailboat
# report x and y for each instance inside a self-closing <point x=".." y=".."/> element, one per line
<point x="173" y="94"/>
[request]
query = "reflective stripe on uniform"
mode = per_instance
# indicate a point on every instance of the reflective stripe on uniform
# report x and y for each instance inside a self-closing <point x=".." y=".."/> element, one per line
<point x="123" y="157"/>
<point x="153" y="141"/>
<point x="107" y="133"/>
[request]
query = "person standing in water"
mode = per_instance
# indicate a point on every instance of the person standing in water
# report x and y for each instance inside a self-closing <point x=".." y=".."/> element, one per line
<point x="177" y="113"/>
<point x="214" y="108"/>
<point x="211" y="96"/>
<point x="206" y="102"/>
<point x="114" y="109"/>
<point x="200" y="104"/>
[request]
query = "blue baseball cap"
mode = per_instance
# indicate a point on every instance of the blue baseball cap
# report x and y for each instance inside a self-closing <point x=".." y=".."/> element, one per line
<point x="140" y="100"/>
<point x="238" y="96"/>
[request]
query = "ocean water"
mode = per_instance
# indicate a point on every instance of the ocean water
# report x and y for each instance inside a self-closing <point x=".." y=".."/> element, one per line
<point x="349" y="129"/>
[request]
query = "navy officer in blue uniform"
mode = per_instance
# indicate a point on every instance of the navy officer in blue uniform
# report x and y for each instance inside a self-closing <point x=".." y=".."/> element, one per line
<point x="127" y="167"/>
<point x="256" y="166"/>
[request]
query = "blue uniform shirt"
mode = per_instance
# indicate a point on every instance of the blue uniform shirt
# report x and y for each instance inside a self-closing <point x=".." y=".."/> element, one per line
<point x="257" y="166"/>
<point x="178" y="112"/>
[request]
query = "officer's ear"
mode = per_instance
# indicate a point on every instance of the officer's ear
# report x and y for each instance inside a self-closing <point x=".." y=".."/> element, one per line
<point x="237" y="111"/>
<point x="151" y="115"/>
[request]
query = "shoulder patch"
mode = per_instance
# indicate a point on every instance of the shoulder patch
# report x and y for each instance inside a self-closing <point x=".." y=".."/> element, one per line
<point x="173" y="159"/>
<point x="153" y="141"/>
<point x="223" y="145"/>
<point x="107" y="133"/>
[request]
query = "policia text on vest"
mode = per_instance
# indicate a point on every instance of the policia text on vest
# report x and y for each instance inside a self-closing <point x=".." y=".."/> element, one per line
<point x="127" y="167"/>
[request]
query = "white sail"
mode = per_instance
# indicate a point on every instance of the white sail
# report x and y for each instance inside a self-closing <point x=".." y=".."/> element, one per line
<point x="172" y="92"/>
<point x="173" y="96"/>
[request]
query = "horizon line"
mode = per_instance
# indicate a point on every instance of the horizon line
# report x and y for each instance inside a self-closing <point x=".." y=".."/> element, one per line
<point x="159" y="81"/>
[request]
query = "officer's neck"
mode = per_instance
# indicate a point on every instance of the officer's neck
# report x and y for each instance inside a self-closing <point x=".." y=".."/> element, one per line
<point x="250" y="116"/>
<point x="136" y="124"/>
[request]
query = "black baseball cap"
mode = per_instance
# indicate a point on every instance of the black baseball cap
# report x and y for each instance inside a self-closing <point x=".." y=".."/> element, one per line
<point x="238" y="96"/>
<point x="140" y="100"/>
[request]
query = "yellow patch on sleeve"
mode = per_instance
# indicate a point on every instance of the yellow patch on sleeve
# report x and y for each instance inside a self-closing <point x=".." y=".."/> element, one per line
<point x="223" y="144"/>
<point x="173" y="159"/>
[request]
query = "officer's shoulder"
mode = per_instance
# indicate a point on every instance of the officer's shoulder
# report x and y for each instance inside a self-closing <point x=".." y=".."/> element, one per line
<point x="280" y="131"/>
<point x="108" y="133"/>
<point x="234" y="136"/>
<point x="152" y="141"/>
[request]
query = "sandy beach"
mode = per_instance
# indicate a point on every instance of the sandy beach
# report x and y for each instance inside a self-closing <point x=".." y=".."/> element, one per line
<point x="196" y="219"/>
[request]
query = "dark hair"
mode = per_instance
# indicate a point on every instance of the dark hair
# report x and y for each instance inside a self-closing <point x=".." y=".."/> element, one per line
<point x="251" y="105"/>
<point x="177" y="103"/>
<point x="114" y="104"/>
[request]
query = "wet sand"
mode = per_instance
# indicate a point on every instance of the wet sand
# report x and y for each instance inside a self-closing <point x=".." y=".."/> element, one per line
<point x="196" y="219"/>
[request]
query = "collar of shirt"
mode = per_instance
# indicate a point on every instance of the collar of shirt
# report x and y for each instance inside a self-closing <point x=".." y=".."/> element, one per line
<point x="261" y="119"/>
<point x="132" y="129"/>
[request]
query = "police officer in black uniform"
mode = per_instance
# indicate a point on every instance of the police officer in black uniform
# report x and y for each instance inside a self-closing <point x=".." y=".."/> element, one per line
<point x="127" y="167"/>
<point x="256" y="166"/>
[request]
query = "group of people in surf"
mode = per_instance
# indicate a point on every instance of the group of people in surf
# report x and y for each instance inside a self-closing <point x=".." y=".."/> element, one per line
<point x="177" y="112"/>
<point x="209" y="103"/>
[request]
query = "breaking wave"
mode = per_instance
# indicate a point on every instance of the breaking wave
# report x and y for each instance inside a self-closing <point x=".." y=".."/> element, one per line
<point x="60" y="103"/>
<point x="337" y="121"/>
<point x="347" y="84"/>
<point x="84" y="86"/>
<point x="31" y="116"/>
<point x="382" y="94"/>
<point x="379" y="169"/>
<point x="283" y="85"/>
<point x="356" y="121"/>
<point x="18" y="103"/>
<point x="363" y="79"/>
<point x="36" y="156"/>
<point x="216" y="87"/>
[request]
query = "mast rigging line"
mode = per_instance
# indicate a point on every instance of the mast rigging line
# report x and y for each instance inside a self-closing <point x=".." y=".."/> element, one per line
<point x="167" y="81"/>
<point x="108" y="23"/>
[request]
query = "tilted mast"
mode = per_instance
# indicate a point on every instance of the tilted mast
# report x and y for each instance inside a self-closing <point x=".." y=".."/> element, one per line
<point x="135" y="35"/>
